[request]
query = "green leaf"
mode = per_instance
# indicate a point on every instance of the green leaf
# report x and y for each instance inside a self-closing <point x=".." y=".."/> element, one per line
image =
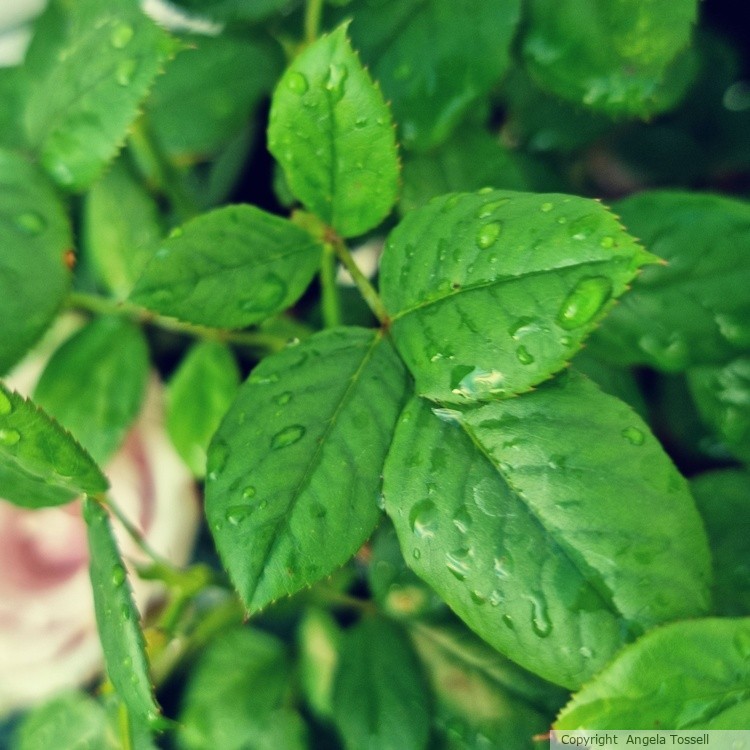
<point x="33" y="277"/>
<point x="432" y="63"/>
<point x="331" y="131"/>
<point x="236" y="696"/>
<point x="319" y="638"/>
<point x="470" y="160"/>
<point x="250" y="11"/>
<point x="696" y="309"/>
<point x="556" y="533"/>
<point x="199" y="395"/>
<point x="483" y="700"/>
<point x="687" y="675"/>
<point x="209" y="93"/>
<point x="621" y="58"/>
<point x="70" y="721"/>
<point x="117" y="618"/>
<point x="293" y="471"/>
<point x="229" y="268"/>
<point x="492" y="292"/>
<point x="121" y="228"/>
<point x="380" y="695"/>
<point x="11" y="94"/>
<point x="722" y="395"/>
<point x="89" y="65"/>
<point x="723" y="500"/>
<point x="95" y="382"/>
<point x="40" y="463"/>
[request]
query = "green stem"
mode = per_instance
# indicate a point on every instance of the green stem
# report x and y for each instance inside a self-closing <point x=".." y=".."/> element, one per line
<point x="126" y="739"/>
<point x="366" y="289"/>
<point x="330" y="294"/>
<point x="134" y="533"/>
<point x="107" y="306"/>
<point x="160" y="173"/>
<point x="313" y="13"/>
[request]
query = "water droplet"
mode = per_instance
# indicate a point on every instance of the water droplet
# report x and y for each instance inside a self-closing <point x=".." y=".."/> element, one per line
<point x="218" y="454"/>
<point x="584" y="301"/>
<point x="524" y="356"/>
<point x="462" y="519"/>
<point x="585" y="652"/>
<point x="583" y="227"/>
<point x="423" y="519"/>
<point x="540" y="622"/>
<point x="336" y="78"/>
<point x="297" y="83"/>
<point x="288" y="436"/>
<point x="508" y="620"/>
<point x="360" y="123"/>
<point x="249" y="492"/>
<point x="121" y="36"/>
<point x="124" y="71"/>
<point x="501" y="567"/>
<point x="118" y="575"/>
<point x="487" y="498"/>
<point x="607" y="242"/>
<point x="30" y="222"/>
<point x="6" y="407"/>
<point x="496" y="598"/>
<point x="488" y="209"/>
<point x="479" y="383"/>
<point x="478" y="597"/>
<point x="258" y="379"/>
<point x="633" y="435"/>
<point x="416" y="554"/>
<point x="380" y="501"/>
<point x="547" y="207"/>
<point x="237" y="514"/>
<point x="451" y="416"/>
<point x="283" y="398"/>
<point x="488" y="234"/>
<point x="9" y="437"/>
<point x="458" y="563"/>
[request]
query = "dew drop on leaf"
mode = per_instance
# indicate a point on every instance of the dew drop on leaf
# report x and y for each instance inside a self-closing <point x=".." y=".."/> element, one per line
<point x="297" y="83"/>
<point x="508" y="621"/>
<point x="607" y="242"/>
<point x="462" y="519"/>
<point x="547" y="207"/>
<point x="9" y="437"/>
<point x="30" y="222"/>
<point x="118" y="575"/>
<point x="501" y="567"/>
<point x="218" y="456"/>
<point x="423" y="519"/>
<point x="288" y="436"/>
<point x="496" y="598"/>
<point x="540" y="622"/>
<point x="584" y="301"/>
<point x="583" y="227"/>
<point x="236" y="514"/>
<point x="124" y="71"/>
<point x="121" y="36"/>
<point x="5" y="405"/>
<point x="249" y="491"/>
<point x="283" y="398"/>
<point x="337" y="74"/>
<point x="458" y="563"/>
<point x="488" y="209"/>
<point x="416" y="554"/>
<point x="585" y="652"/>
<point x="524" y="356"/>
<point x="488" y="234"/>
<point x="633" y="435"/>
<point x="478" y="597"/>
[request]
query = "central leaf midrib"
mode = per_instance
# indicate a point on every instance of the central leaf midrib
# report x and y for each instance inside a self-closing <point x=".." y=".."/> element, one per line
<point x="500" y="280"/>
<point x="312" y="464"/>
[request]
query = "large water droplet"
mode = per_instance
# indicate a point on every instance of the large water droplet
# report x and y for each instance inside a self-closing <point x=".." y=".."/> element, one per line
<point x="462" y="519"/>
<point x="524" y="356"/>
<point x="6" y="407"/>
<point x="30" y="222"/>
<point x="487" y="498"/>
<point x="540" y="622"/>
<point x="288" y="436"/>
<point x="488" y="234"/>
<point x="121" y="36"/>
<point x="236" y="514"/>
<point x="297" y="82"/>
<point x="584" y="301"/>
<point x="633" y="435"/>
<point x="451" y="416"/>
<point x="458" y="563"/>
<point x="9" y="437"/>
<point x="423" y="519"/>
<point x="118" y="575"/>
<point x="125" y="70"/>
<point x="337" y="74"/>
<point x="479" y="383"/>
<point x="218" y="454"/>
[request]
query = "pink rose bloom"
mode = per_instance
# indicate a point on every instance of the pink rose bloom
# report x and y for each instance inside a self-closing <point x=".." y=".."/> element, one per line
<point x="48" y="638"/>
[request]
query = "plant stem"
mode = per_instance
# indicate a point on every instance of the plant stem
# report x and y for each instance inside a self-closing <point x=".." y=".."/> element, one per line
<point x="124" y="725"/>
<point x="107" y="306"/>
<point x="313" y="12"/>
<point x="330" y="296"/>
<point x="133" y="532"/>
<point x="366" y="289"/>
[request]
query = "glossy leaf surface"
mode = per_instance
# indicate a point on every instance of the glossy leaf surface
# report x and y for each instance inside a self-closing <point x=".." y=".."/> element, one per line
<point x="40" y="463"/>
<point x="89" y="67"/>
<point x="492" y="292"/>
<point x="695" y="309"/>
<point x="294" y="469"/>
<point x="117" y="618"/>
<point x="434" y="59"/>
<point x="229" y="268"/>
<point x="621" y="57"/>
<point x="555" y="534"/>
<point x="380" y="694"/>
<point x="199" y="395"/>
<point x="687" y="675"/>
<point x="95" y="382"/>
<point x="331" y="131"/>
<point x="33" y="277"/>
